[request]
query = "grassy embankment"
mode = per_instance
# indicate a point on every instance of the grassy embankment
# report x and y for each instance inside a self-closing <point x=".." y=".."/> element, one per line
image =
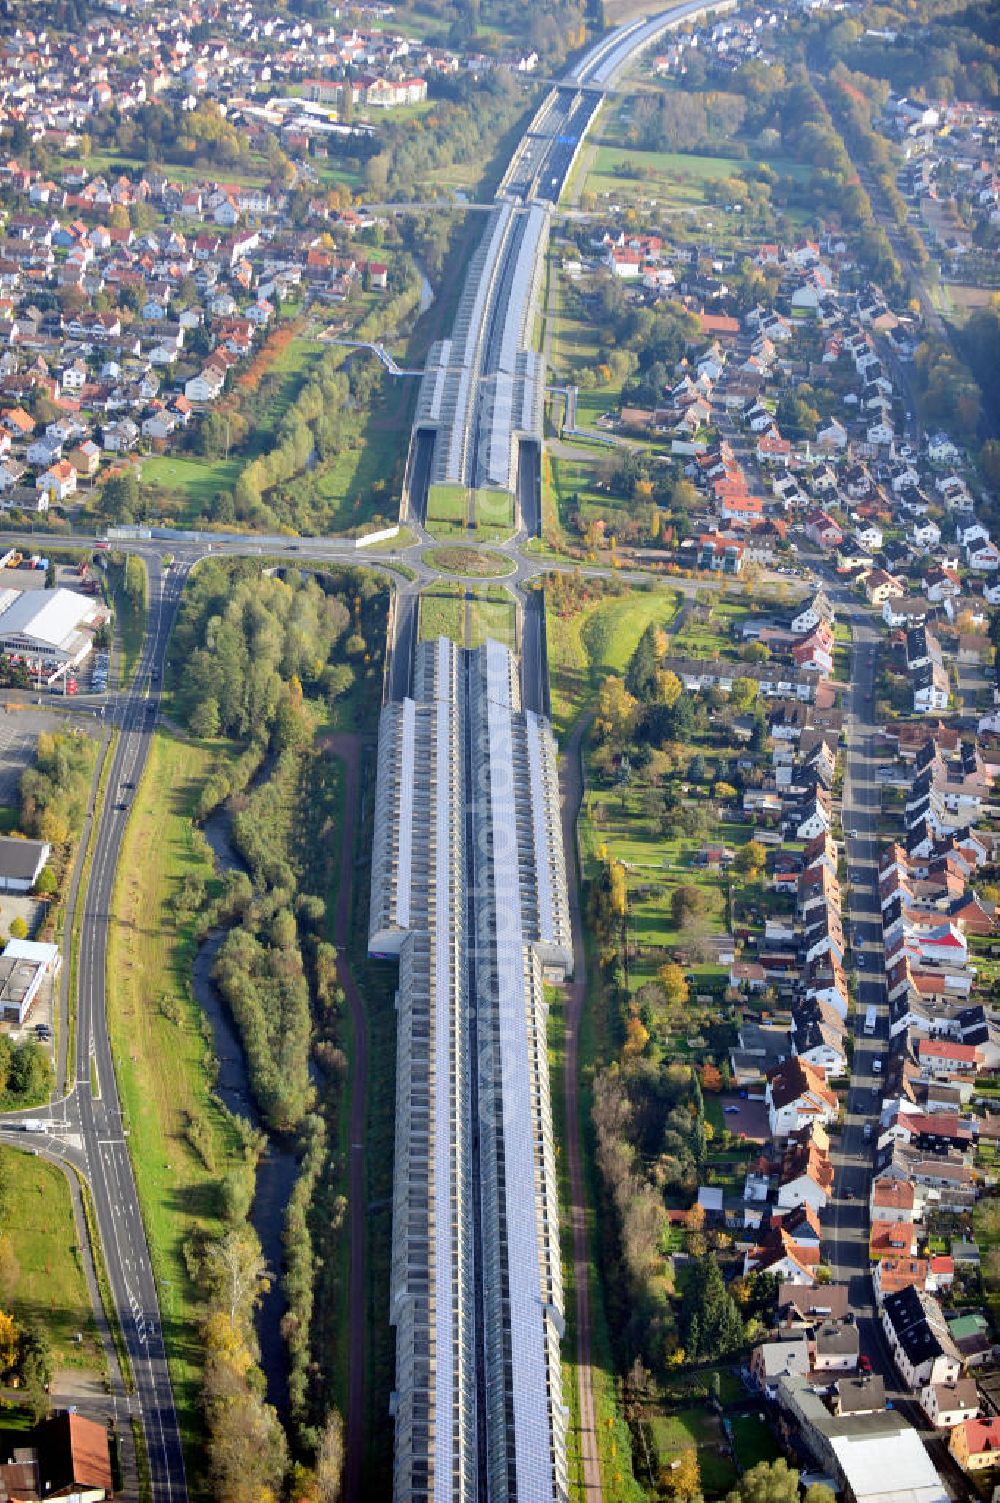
<point x="450" y="508"/>
<point x="467" y="616"/>
<point x="129" y="582"/>
<point x="48" y="1286"/>
<point x="614" y="1444"/>
<point x="162" y="1048"/>
<point x="582" y="650"/>
<point x="599" y="640"/>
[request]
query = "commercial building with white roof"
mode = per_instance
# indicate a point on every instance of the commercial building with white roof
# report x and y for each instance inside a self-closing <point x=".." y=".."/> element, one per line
<point x="469" y="891"/>
<point x="49" y="630"/>
<point x="891" y="1467"/>
<point x="873" y="1457"/>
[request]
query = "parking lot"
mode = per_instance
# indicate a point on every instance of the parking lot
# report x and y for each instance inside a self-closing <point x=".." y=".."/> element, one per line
<point x="67" y="578"/>
<point x="19" y="732"/>
<point x="745" y="1118"/>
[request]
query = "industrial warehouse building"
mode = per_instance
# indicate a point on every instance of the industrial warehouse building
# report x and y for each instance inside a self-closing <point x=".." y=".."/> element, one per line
<point x="469" y="892"/>
<point x="24" y="965"/>
<point x="51" y="631"/>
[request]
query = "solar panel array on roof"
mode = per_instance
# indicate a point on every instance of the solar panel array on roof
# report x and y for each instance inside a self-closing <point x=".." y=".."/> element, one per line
<point x="481" y="909"/>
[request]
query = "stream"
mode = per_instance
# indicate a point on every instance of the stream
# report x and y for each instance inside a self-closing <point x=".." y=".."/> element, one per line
<point x="426" y="290"/>
<point x="278" y="1167"/>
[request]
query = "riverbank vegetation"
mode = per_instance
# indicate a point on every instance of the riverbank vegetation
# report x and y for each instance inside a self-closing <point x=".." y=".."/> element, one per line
<point x="184" y="1144"/>
<point x="271" y="662"/>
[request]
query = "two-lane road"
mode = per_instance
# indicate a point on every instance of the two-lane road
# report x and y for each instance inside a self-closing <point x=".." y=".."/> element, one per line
<point x="853" y="1152"/>
<point x="99" y="1119"/>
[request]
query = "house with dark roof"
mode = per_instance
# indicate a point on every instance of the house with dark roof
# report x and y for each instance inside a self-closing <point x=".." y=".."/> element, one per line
<point x="918" y="1337"/>
<point x="864" y="1395"/>
<point x="21" y="863"/>
<point x="834" y="1346"/>
<point x="805" y="1305"/>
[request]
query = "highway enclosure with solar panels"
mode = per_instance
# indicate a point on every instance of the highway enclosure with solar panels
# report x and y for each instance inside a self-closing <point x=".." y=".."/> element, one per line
<point x="469" y="894"/>
<point x="480" y="407"/>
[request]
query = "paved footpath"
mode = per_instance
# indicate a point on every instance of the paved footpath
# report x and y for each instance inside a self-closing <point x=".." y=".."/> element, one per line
<point x="347" y="748"/>
<point x="576" y="990"/>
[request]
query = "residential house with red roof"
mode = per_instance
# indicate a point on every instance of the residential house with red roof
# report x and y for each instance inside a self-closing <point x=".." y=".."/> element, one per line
<point x="975" y="1444"/>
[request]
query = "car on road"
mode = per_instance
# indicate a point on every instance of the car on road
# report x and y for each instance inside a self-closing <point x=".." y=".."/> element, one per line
<point x="729" y="1110"/>
<point x="876" y="1067"/>
<point x="868" y="1130"/>
<point x="875" y="1089"/>
<point x="854" y="834"/>
<point x="122" y="804"/>
<point x="849" y="1193"/>
<point x="860" y="962"/>
<point x="128" y="784"/>
<point x="865" y="1363"/>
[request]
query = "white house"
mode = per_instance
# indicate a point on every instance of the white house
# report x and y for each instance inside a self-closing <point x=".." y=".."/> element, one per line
<point x="983" y="558"/>
<point x="948" y="1404"/>
<point x="941" y="450"/>
<point x="204" y="387"/>
<point x="58" y="481"/>
<point x="925" y="533"/>
<point x="21" y="863"/>
<point x="797" y="1096"/>
<point x="919" y="1340"/>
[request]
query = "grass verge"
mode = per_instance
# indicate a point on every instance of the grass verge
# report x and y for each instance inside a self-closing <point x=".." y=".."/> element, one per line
<point x="48" y="1283"/>
<point x="613" y="1439"/>
<point x="162" y="1047"/>
<point x="130" y="584"/>
<point x="142" y="1461"/>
